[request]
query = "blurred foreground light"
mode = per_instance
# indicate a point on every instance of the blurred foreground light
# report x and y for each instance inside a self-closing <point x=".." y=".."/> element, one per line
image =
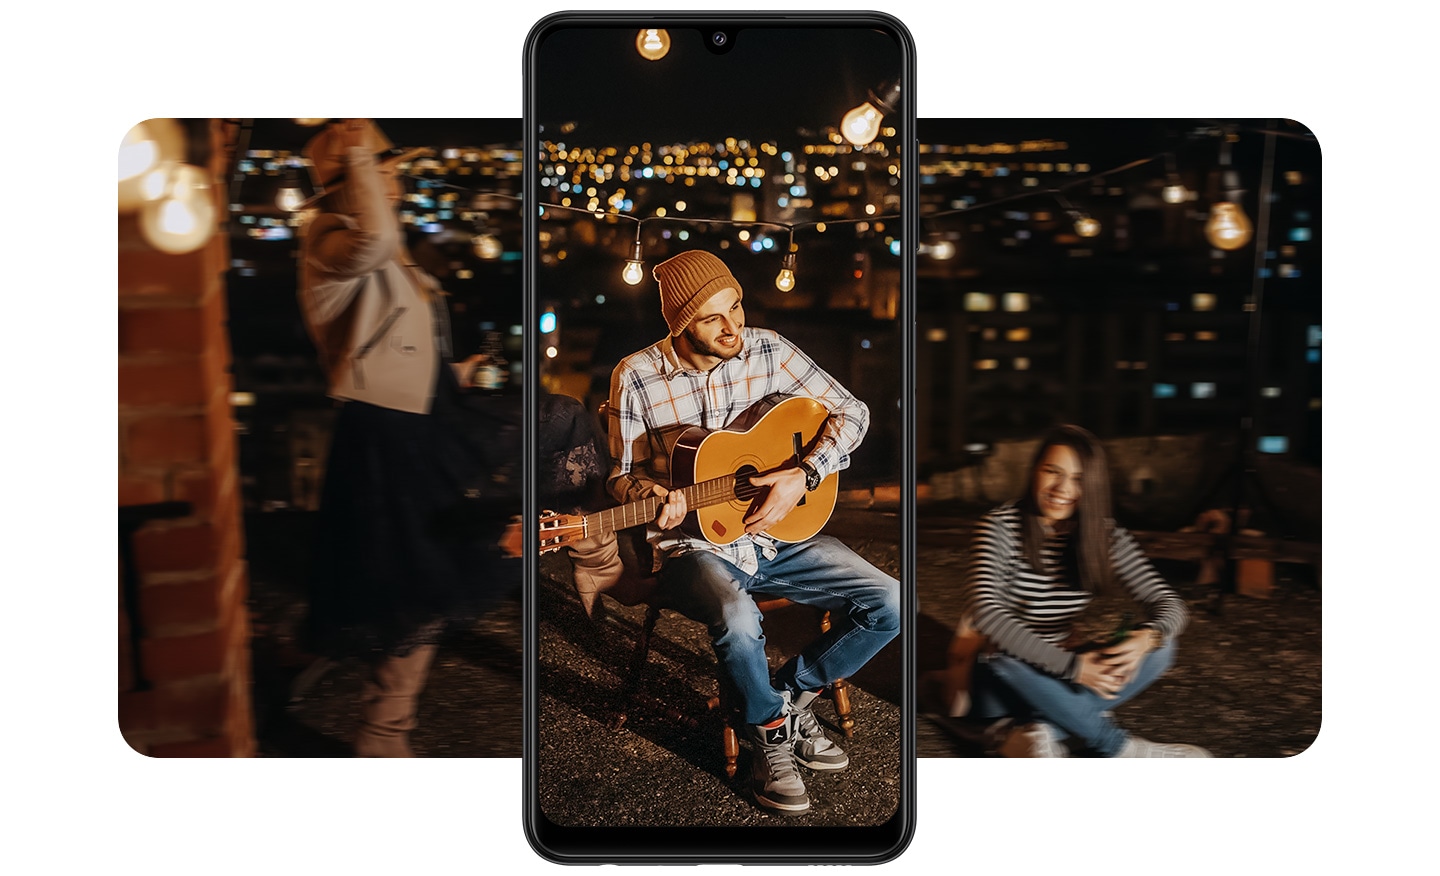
<point x="145" y="149"/>
<point x="1228" y="227"/>
<point x="653" y="43"/>
<point x="1174" y="194"/>
<point x="1087" y="227"/>
<point x="184" y="217"/>
<point x="310" y="123"/>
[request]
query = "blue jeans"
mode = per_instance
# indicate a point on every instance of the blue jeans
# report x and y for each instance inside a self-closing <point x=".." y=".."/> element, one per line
<point x="1002" y="685"/>
<point x="864" y="606"/>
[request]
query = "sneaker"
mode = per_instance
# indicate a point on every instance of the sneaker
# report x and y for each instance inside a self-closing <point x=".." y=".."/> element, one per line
<point x="1034" y="740"/>
<point x="1137" y="747"/>
<point x="774" y="777"/>
<point x="812" y="747"/>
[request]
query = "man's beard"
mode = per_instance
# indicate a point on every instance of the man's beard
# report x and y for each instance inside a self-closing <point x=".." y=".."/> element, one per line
<point x="705" y="348"/>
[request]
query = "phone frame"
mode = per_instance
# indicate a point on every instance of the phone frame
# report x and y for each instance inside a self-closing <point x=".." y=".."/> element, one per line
<point x="766" y="844"/>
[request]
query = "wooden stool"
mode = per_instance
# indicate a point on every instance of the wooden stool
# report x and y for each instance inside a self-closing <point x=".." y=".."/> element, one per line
<point x="839" y="690"/>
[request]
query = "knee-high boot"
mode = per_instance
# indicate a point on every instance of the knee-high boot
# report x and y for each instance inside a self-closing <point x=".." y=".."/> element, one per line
<point x="388" y="704"/>
<point x="598" y="568"/>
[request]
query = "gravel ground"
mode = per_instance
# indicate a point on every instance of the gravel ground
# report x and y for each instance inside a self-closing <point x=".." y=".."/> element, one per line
<point x="1246" y="684"/>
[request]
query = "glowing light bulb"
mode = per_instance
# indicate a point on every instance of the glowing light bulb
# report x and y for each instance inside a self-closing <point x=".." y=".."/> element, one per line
<point x="488" y="247"/>
<point x="1087" y="227"/>
<point x="289" y="198"/>
<point x="653" y="43"/>
<point x="1174" y="193"/>
<point x="138" y="153"/>
<point x="1228" y="227"/>
<point x="635" y="267"/>
<point x="862" y="124"/>
<point x="785" y="280"/>
<point x="310" y="123"/>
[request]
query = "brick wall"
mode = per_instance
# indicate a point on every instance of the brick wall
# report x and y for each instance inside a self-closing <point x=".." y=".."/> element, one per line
<point x="188" y="693"/>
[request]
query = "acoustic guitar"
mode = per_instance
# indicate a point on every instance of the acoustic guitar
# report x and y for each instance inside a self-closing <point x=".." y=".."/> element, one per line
<point x="713" y="469"/>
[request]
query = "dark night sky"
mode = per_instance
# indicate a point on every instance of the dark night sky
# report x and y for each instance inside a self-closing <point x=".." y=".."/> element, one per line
<point x="772" y="82"/>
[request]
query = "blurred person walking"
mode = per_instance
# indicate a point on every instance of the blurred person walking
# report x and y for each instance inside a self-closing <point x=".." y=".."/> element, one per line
<point x="422" y="477"/>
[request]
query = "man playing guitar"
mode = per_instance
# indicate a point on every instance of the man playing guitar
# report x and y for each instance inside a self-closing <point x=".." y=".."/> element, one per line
<point x="709" y="370"/>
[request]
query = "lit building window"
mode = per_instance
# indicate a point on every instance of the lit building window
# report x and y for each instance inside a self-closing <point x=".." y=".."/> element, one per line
<point x="1022" y="363"/>
<point x="1205" y="336"/>
<point x="1270" y="392"/>
<point x="979" y="301"/>
<point x="986" y="364"/>
<point x="988" y="333"/>
<point x="1016" y="302"/>
<point x="1202" y="390"/>
<point x="1294" y="177"/>
<point x="1174" y="336"/>
<point x="1314" y="404"/>
<point x="1017" y="335"/>
<point x="937" y="335"/>
<point x="1123" y="365"/>
<point x="1300" y="235"/>
<point x="1202" y="301"/>
<point x="1164" y="390"/>
<point x="1289" y="271"/>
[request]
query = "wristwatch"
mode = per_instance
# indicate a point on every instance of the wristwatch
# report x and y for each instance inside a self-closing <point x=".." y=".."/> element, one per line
<point x="812" y="477"/>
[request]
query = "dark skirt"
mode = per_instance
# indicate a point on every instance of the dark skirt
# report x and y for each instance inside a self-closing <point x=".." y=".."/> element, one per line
<point x="412" y="513"/>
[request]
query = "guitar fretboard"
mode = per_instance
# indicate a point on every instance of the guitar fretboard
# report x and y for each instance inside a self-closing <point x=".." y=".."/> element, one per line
<point x="702" y="495"/>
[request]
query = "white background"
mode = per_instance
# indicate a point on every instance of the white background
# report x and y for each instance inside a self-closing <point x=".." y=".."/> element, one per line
<point x="80" y="800"/>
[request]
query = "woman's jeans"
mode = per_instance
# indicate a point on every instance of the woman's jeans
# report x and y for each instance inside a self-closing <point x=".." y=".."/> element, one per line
<point x="864" y="606"/>
<point x="1002" y="685"/>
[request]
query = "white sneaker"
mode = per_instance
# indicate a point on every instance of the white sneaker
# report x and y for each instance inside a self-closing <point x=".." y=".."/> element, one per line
<point x="812" y="747"/>
<point x="1137" y="747"/>
<point x="1034" y="740"/>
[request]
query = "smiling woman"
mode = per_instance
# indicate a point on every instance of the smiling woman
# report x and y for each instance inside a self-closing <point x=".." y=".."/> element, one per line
<point x="1035" y="567"/>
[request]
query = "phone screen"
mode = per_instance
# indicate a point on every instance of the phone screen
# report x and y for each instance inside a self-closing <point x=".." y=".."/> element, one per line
<point x="719" y="257"/>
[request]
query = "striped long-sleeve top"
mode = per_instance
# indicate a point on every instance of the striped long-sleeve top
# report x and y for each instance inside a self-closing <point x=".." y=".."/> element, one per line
<point x="652" y="393"/>
<point x="1030" y="614"/>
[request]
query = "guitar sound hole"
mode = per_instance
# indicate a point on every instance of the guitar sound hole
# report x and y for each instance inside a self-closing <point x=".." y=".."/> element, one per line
<point x="744" y="490"/>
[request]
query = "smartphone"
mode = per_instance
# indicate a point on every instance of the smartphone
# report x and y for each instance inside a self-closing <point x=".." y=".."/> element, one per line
<point x="719" y="262"/>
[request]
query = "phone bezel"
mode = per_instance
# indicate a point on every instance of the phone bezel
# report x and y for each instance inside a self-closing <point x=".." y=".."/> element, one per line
<point x="795" y="843"/>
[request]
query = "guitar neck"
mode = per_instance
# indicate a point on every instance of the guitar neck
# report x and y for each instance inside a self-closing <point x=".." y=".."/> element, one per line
<point x="701" y="495"/>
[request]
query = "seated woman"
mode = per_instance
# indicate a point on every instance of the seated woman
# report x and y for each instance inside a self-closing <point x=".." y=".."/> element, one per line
<point x="1035" y="566"/>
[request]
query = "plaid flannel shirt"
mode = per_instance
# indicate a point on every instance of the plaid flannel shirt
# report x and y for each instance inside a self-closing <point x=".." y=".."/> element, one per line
<point x="653" y="396"/>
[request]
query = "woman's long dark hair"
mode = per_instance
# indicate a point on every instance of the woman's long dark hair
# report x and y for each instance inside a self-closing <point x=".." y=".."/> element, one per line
<point x="1090" y="543"/>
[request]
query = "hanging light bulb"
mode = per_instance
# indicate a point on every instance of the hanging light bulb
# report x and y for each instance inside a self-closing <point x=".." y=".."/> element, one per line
<point x="634" y="268"/>
<point x="290" y="197"/>
<point x="1174" y="192"/>
<point x="1228" y="227"/>
<point x="184" y="217"/>
<point x="653" y="43"/>
<point x="1086" y="226"/>
<point x="310" y="123"/>
<point x="861" y="125"/>
<point x="785" y="280"/>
